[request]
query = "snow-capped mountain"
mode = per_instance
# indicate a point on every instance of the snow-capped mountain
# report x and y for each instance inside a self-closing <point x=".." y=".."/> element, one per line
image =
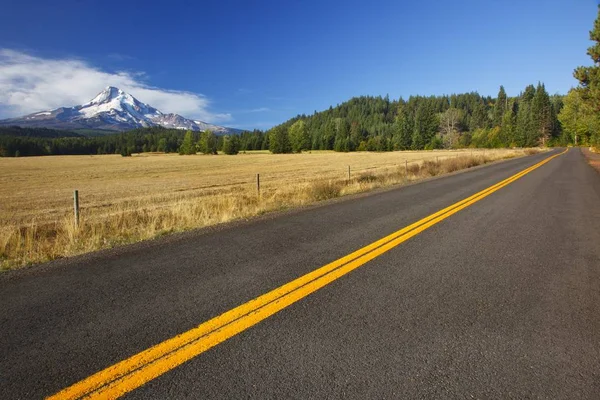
<point x="114" y="110"/>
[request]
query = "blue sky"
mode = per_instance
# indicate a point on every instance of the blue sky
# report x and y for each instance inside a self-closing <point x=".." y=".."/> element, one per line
<point x="256" y="64"/>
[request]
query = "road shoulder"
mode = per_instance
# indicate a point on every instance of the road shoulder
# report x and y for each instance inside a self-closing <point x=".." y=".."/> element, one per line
<point x="592" y="158"/>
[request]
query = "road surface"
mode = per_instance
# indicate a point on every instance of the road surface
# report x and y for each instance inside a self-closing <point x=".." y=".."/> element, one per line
<point x="499" y="300"/>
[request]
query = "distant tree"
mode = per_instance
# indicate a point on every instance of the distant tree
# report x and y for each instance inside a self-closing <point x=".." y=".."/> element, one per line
<point x="342" y="135"/>
<point x="188" y="146"/>
<point x="207" y="144"/>
<point x="577" y="119"/>
<point x="279" y="141"/>
<point x="231" y="144"/>
<point x="480" y="138"/>
<point x="450" y="121"/>
<point x="465" y="139"/>
<point x="525" y="130"/>
<point x="162" y="145"/>
<point x="479" y="116"/>
<point x="219" y="143"/>
<point x="493" y="137"/>
<point x="435" y="143"/>
<point x="402" y="130"/>
<point x="425" y="125"/>
<point x="299" y="137"/>
<point x="355" y="136"/>
<point x="500" y="107"/>
<point x="507" y="129"/>
<point x="450" y="127"/>
<point x="328" y="137"/>
<point x="235" y="144"/>
<point x="542" y="116"/>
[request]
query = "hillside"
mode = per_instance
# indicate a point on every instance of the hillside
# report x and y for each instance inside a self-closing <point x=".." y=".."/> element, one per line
<point x="449" y="121"/>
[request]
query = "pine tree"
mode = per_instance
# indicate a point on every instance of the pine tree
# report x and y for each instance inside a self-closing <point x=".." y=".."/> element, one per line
<point x="589" y="78"/>
<point x="279" y="141"/>
<point x="508" y="128"/>
<point x="188" y="146"/>
<point x="402" y="136"/>
<point x="162" y="145"/>
<point x="231" y="144"/>
<point x="207" y="143"/>
<point x="342" y="135"/>
<point x="500" y="107"/>
<point x="328" y="135"/>
<point x="525" y="132"/>
<point x="542" y="117"/>
<point x="425" y="126"/>
<point x="355" y="136"/>
<point x="479" y="117"/>
<point x="299" y="138"/>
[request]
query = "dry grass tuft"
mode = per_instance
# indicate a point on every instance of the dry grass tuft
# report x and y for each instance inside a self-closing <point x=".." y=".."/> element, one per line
<point x="532" y="151"/>
<point x="459" y="163"/>
<point x="324" y="190"/>
<point x="368" y="177"/>
<point x="36" y="222"/>
<point x="413" y="169"/>
<point x="431" y="168"/>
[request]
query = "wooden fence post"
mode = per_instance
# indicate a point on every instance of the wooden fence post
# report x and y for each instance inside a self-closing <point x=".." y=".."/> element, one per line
<point x="258" y="183"/>
<point x="76" y="206"/>
<point x="406" y="166"/>
<point x="348" y="174"/>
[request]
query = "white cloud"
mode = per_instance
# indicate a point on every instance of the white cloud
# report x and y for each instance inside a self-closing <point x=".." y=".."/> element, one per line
<point x="261" y="109"/>
<point x="29" y="84"/>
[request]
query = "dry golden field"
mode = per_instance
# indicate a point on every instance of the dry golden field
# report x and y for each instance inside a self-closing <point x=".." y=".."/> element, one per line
<point x="127" y="199"/>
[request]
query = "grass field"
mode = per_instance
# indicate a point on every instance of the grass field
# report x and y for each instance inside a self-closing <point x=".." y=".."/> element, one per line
<point x="127" y="199"/>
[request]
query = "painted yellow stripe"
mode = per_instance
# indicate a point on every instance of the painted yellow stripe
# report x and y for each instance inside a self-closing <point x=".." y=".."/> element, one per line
<point x="135" y="371"/>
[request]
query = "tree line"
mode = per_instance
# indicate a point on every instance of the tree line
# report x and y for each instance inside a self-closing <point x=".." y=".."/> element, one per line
<point x="20" y="142"/>
<point x="459" y="120"/>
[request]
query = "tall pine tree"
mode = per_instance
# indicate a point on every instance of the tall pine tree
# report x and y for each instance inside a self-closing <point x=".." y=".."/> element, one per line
<point x="500" y="107"/>
<point x="589" y="78"/>
<point x="542" y="117"/>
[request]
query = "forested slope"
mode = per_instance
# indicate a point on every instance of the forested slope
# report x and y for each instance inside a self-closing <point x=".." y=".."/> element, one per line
<point x="458" y="120"/>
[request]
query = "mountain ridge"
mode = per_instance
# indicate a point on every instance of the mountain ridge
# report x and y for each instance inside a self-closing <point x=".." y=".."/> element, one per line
<point x="112" y="110"/>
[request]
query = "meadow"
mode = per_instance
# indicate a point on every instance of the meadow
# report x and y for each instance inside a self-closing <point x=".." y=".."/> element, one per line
<point x="128" y="199"/>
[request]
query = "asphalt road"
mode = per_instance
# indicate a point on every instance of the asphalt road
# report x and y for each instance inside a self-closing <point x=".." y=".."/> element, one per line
<point x="501" y="300"/>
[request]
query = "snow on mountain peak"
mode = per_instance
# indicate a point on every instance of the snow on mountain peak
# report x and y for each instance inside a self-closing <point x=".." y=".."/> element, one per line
<point x="109" y="93"/>
<point x="114" y="103"/>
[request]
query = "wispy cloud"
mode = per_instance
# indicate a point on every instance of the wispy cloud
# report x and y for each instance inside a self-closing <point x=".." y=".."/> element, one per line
<point x="260" y="109"/>
<point x="120" y="57"/>
<point x="29" y="83"/>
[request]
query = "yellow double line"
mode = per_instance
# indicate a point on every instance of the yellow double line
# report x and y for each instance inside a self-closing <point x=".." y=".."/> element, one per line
<point x="135" y="371"/>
